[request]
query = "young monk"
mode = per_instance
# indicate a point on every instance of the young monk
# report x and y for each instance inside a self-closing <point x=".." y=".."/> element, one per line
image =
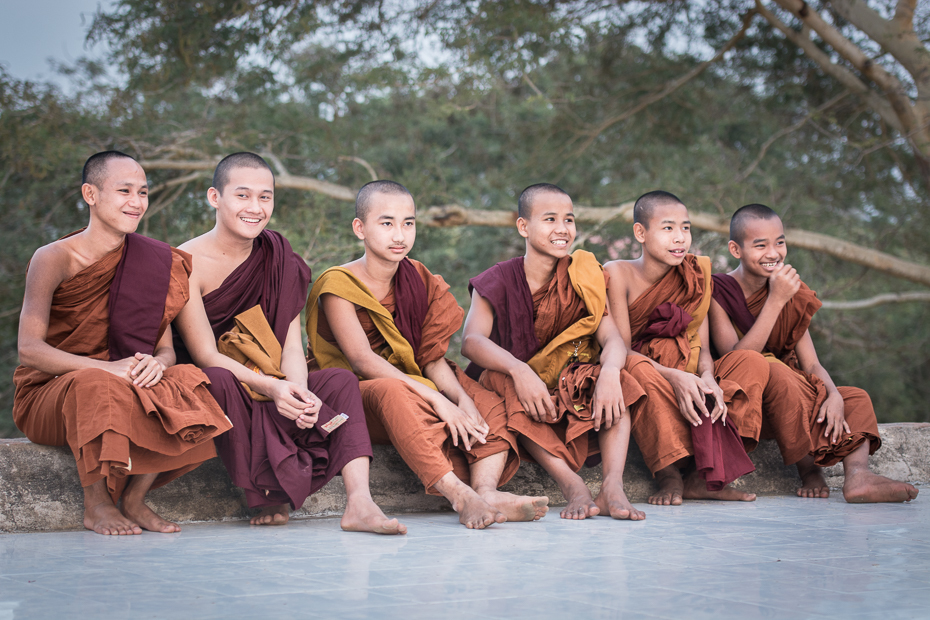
<point x="764" y="306"/>
<point x="390" y="320"/>
<point x="98" y="369"/>
<point x="293" y="431"/>
<point x="659" y="302"/>
<point x="535" y="335"/>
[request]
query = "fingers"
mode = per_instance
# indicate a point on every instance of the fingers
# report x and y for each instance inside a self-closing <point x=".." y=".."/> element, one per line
<point x="147" y="371"/>
<point x="720" y="407"/>
<point x="598" y="415"/>
<point x="686" y="407"/>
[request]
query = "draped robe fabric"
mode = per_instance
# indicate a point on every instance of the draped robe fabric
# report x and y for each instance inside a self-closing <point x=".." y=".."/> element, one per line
<point x="116" y="429"/>
<point x="419" y="308"/>
<point x="553" y="331"/>
<point x="267" y="454"/>
<point x="793" y="397"/>
<point x="661" y="432"/>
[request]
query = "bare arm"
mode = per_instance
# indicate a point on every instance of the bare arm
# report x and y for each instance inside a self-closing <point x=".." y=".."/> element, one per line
<point x="48" y="269"/>
<point x="292" y="399"/>
<point x="833" y="409"/>
<point x="783" y="284"/>
<point x="608" y="405"/>
<point x="479" y="348"/>
<point x="706" y="373"/>
<point x="722" y="332"/>
<point x="352" y="341"/>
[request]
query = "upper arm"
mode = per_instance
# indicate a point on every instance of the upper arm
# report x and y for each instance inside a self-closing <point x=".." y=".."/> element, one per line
<point x="480" y="319"/>
<point x="46" y="273"/>
<point x="617" y="301"/>
<point x="722" y="332"/>
<point x="346" y="328"/>
<point x="194" y="326"/>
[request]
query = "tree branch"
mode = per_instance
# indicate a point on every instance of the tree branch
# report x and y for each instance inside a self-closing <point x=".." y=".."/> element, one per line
<point x="841" y="74"/>
<point x="784" y="132"/>
<point x="361" y="162"/>
<point x="457" y="215"/>
<point x="669" y="88"/>
<point x="878" y="300"/>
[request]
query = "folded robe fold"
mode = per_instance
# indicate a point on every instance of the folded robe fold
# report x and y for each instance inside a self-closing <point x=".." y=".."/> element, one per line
<point x="661" y="432"/>
<point x="113" y="427"/>
<point x="792" y="397"/>
<point x="267" y="454"/>
<point x="553" y="331"/>
<point x="419" y="309"/>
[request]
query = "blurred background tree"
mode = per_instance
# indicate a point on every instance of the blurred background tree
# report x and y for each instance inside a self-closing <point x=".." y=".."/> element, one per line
<point x="722" y="102"/>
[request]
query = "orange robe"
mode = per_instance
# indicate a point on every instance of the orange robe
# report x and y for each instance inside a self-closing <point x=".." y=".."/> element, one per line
<point x="114" y="428"/>
<point x="792" y="397"/>
<point x="661" y="432"/>
<point x="396" y="414"/>
<point x="566" y="315"/>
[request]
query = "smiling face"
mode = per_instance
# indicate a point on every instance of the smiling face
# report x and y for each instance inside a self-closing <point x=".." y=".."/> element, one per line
<point x="763" y="248"/>
<point x="245" y="205"/>
<point x="123" y="198"/>
<point x="550" y="229"/>
<point x="390" y="227"/>
<point x="668" y="236"/>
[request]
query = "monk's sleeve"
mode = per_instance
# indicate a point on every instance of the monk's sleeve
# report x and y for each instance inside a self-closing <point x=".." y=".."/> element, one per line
<point x="443" y="319"/>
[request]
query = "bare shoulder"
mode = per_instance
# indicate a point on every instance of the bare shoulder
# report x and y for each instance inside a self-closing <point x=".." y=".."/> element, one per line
<point x="198" y="246"/>
<point x="55" y="262"/>
<point x="620" y="272"/>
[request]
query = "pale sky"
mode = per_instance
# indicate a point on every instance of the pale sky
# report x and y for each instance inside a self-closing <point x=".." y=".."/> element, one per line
<point x="32" y="31"/>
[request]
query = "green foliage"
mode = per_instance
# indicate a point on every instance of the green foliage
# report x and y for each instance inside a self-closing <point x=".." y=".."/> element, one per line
<point x="467" y="103"/>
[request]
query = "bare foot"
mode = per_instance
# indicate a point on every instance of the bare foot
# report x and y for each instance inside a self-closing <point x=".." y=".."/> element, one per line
<point x="867" y="487"/>
<point x="517" y="507"/>
<point x="363" y="515"/>
<point x="671" y="488"/>
<point x="696" y="488"/>
<point x="147" y="519"/>
<point x="580" y="503"/>
<point x="612" y="501"/>
<point x="272" y="515"/>
<point x="475" y="513"/>
<point x="104" y="518"/>
<point x="813" y="484"/>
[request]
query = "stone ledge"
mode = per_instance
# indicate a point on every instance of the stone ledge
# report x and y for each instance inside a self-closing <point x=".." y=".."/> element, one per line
<point x="40" y="491"/>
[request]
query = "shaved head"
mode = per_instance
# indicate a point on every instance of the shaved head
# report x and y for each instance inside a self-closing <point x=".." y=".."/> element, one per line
<point x="646" y="205"/>
<point x="95" y="168"/>
<point x="743" y="216"/>
<point x="366" y="195"/>
<point x="527" y="196"/>
<point x="236" y="160"/>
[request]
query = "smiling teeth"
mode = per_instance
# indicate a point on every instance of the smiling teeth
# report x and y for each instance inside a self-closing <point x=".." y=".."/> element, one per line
<point x="251" y="220"/>
<point x="560" y="242"/>
<point x="769" y="264"/>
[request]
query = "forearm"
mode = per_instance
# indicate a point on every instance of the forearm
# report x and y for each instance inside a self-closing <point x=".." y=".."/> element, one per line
<point x="757" y="337"/>
<point x="821" y="373"/>
<point x="440" y="373"/>
<point x="294" y="367"/>
<point x="482" y="351"/>
<point x="48" y="359"/>
<point x="166" y="356"/>
<point x="613" y="356"/>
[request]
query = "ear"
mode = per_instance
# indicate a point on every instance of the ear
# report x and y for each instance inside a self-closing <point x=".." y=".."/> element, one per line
<point x="213" y="197"/>
<point x="358" y="227"/>
<point x="639" y="232"/>
<point x="735" y="250"/>
<point x="90" y="194"/>
<point x="521" y="227"/>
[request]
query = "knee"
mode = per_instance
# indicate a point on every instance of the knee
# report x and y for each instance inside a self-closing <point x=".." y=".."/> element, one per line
<point x="342" y="376"/>
<point x="90" y="375"/>
<point x="753" y="361"/>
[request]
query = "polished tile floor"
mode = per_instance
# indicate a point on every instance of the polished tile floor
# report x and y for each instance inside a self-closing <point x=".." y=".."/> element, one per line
<point x="779" y="557"/>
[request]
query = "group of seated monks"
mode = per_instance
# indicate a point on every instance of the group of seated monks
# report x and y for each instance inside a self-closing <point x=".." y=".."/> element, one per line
<point x="568" y="358"/>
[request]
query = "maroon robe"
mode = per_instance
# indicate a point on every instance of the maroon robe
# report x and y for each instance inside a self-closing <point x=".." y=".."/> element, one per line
<point x="718" y="448"/>
<point x="266" y="453"/>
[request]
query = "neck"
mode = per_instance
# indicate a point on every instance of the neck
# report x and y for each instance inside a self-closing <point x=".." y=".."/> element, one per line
<point x="99" y="240"/>
<point x="748" y="282"/>
<point x="378" y="270"/>
<point x="539" y="268"/>
<point x="652" y="270"/>
<point x="231" y="245"/>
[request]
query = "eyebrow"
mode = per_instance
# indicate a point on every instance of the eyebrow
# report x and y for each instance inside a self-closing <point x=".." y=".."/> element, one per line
<point x="131" y="184"/>
<point x="674" y="222"/>
<point x="261" y="191"/>
<point x="761" y="240"/>
<point x="548" y="213"/>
